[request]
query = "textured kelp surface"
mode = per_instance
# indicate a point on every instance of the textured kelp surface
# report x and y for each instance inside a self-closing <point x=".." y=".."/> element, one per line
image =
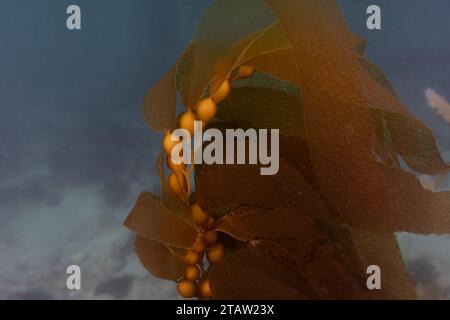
<point x="340" y="195"/>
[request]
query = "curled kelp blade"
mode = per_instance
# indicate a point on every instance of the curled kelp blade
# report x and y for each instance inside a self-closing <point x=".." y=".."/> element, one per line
<point x="408" y="136"/>
<point x="158" y="259"/>
<point x="151" y="219"/>
<point x="254" y="39"/>
<point x="415" y="143"/>
<point x="160" y="103"/>
<point x="271" y="52"/>
<point x="270" y="39"/>
<point x="225" y="24"/>
<point x="338" y="97"/>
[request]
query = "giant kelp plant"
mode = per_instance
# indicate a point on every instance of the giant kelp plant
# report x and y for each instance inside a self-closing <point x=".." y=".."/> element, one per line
<point x="340" y="195"/>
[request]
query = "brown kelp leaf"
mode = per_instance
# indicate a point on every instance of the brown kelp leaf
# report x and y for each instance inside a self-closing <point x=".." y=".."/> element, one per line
<point x="411" y="138"/>
<point x="328" y="261"/>
<point x="270" y="39"/>
<point x="399" y="203"/>
<point x="415" y="143"/>
<point x="382" y="250"/>
<point x="408" y="136"/>
<point x="215" y="48"/>
<point x="158" y="259"/>
<point x="271" y="52"/>
<point x="295" y="151"/>
<point x="337" y="96"/>
<point x="160" y="103"/>
<point x="262" y="108"/>
<point x="151" y="219"/>
<point x="245" y="275"/>
<point x="250" y="222"/>
<point x="228" y="186"/>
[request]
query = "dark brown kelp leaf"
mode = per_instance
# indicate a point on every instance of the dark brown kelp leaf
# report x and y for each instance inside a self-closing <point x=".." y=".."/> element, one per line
<point x="229" y="186"/>
<point x="293" y="149"/>
<point x="158" y="259"/>
<point x="327" y="259"/>
<point x="262" y="108"/>
<point x="249" y="223"/>
<point x="296" y="252"/>
<point x="151" y="219"/>
<point x="245" y="275"/>
<point x="337" y="100"/>
<point x="356" y="250"/>
<point x="160" y="103"/>
<point x="332" y="278"/>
